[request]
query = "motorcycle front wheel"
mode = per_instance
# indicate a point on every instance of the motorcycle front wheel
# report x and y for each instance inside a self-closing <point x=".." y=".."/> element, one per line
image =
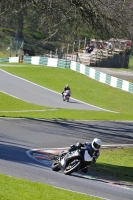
<point x="72" y="166"/>
<point x="55" y="166"/>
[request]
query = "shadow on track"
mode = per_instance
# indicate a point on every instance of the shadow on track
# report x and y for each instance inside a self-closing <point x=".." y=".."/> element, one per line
<point x="12" y="152"/>
<point x="109" y="132"/>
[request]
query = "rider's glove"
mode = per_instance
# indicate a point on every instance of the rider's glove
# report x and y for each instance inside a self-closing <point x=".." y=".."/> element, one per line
<point x="93" y="160"/>
<point x="78" y="145"/>
<point x="96" y="154"/>
<point x="72" y="146"/>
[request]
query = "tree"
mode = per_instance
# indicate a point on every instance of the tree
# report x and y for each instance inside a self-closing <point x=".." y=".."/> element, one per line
<point x="105" y="18"/>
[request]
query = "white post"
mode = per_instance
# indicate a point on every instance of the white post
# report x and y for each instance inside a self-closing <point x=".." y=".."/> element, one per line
<point x="73" y="50"/>
<point x="67" y="50"/>
<point x="79" y="45"/>
<point x="56" y="52"/>
<point x="62" y="51"/>
<point x="85" y="43"/>
<point x="50" y="54"/>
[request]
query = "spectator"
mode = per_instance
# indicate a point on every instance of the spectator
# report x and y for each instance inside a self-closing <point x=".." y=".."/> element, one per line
<point x="26" y="54"/>
<point x="101" y="46"/>
<point x="86" y="48"/>
<point x="110" y="47"/>
<point x="91" y="47"/>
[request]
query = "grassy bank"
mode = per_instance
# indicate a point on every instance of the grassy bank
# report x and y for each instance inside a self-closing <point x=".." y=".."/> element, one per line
<point x="131" y="62"/>
<point x="13" y="189"/>
<point x="115" y="164"/>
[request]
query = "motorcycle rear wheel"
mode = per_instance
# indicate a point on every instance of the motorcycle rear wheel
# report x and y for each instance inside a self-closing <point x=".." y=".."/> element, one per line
<point x="72" y="166"/>
<point x="67" y="99"/>
<point x="55" y="166"/>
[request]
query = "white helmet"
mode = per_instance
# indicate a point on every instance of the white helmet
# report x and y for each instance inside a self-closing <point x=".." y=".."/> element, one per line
<point x="96" y="144"/>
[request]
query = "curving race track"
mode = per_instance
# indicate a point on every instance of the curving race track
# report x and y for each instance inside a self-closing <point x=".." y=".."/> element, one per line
<point x="17" y="136"/>
<point x="31" y="92"/>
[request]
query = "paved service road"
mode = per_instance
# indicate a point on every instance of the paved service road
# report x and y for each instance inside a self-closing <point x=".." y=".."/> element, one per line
<point x="36" y="94"/>
<point x="19" y="135"/>
<point x="121" y="74"/>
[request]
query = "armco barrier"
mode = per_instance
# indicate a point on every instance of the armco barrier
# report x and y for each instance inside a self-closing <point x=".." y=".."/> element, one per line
<point x="43" y="61"/>
<point x="27" y="59"/>
<point x="102" y="77"/>
<point x="4" y="59"/>
<point x="14" y="59"/>
<point x="10" y="59"/>
<point x="76" y="66"/>
<point x="53" y="62"/>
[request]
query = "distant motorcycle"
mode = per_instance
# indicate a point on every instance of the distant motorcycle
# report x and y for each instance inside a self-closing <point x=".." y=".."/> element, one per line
<point x="66" y="95"/>
<point x="74" y="161"/>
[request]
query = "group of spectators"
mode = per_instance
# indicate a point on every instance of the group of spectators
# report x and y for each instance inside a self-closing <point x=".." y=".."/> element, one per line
<point x="90" y="48"/>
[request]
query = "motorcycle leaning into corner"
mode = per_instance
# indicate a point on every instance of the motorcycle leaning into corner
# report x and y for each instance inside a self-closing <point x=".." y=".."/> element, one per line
<point x="66" y="95"/>
<point x="73" y="161"/>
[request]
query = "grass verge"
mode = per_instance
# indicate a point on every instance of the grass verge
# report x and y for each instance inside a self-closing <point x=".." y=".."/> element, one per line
<point x="115" y="164"/>
<point x="14" y="188"/>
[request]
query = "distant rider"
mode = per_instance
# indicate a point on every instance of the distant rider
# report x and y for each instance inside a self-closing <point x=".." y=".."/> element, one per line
<point x="65" y="88"/>
<point x="91" y="148"/>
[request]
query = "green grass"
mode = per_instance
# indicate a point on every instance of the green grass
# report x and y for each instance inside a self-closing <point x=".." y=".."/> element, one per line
<point x="115" y="163"/>
<point x="131" y="62"/>
<point x="14" y="189"/>
<point x="83" y="88"/>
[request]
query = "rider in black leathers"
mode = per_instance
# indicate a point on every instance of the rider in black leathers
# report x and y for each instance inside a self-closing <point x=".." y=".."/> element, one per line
<point x="92" y="148"/>
<point x="65" y="88"/>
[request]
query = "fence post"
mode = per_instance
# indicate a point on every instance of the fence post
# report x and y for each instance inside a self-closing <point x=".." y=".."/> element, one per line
<point x="85" y="43"/>
<point x="73" y="50"/>
<point x="67" y="50"/>
<point x="79" y="45"/>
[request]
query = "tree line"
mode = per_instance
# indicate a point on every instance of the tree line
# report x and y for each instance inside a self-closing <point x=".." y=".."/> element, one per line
<point x="65" y="20"/>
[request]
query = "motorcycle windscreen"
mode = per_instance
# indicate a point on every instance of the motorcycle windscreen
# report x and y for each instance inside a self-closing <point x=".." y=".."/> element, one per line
<point x="87" y="157"/>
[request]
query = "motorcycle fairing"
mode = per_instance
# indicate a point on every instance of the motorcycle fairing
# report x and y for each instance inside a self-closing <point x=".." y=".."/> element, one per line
<point x="67" y="92"/>
<point x="69" y="156"/>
